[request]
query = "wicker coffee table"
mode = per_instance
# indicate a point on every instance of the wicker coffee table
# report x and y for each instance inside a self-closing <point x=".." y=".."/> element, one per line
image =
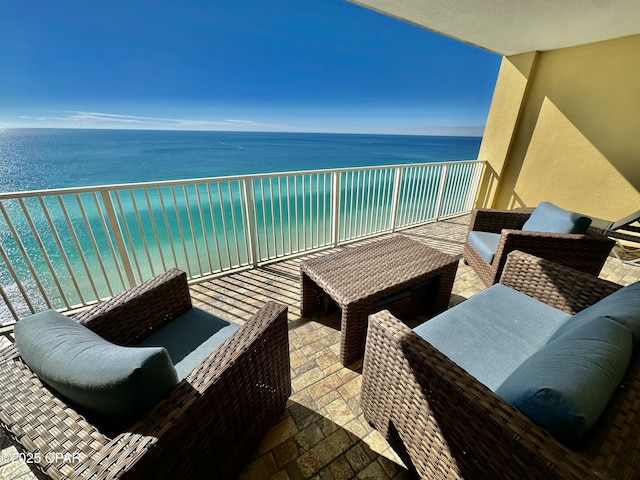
<point x="397" y="274"/>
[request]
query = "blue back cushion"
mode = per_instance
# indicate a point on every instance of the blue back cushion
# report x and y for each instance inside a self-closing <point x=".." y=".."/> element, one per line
<point x="623" y="306"/>
<point x="108" y="380"/>
<point x="566" y="385"/>
<point x="547" y="217"/>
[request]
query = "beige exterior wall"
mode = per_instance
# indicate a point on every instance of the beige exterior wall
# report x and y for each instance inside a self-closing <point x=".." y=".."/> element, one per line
<point x="564" y="126"/>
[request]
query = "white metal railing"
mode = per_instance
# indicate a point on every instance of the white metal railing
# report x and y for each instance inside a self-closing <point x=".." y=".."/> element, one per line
<point x="69" y="248"/>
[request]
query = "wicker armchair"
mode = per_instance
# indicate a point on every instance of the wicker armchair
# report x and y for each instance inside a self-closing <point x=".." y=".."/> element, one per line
<point x="206" y="426"/>
<point x="586" y="253"/>
<point x="446" y="424"/>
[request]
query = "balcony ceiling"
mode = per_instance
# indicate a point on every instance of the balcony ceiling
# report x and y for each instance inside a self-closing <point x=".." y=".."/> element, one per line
<point x="510" y="27"/>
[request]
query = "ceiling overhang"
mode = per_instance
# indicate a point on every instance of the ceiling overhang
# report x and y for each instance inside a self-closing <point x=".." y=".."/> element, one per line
<point x="511" y="27"/>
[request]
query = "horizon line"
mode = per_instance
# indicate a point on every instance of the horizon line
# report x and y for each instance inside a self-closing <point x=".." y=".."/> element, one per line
<point x="302" y="132"/>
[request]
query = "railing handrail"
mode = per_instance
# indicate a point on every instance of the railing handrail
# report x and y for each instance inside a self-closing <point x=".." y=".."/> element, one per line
<point x="223" y="178"/>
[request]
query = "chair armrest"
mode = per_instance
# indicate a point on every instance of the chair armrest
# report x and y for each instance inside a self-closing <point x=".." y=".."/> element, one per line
<point x="132" y="315"/>
<point x="490" y="220"/>
<point x="591" y="242"/>
<point x="218" y="414"/>
<point x="55" y="438"/>
<point x="556" y="285"/>
<point x="443" y="421"/>
<point x="586" y="253"/>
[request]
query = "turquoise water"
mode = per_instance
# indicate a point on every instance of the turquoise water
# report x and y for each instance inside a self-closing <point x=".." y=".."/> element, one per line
<point x="70" y="241"/>
<point x="33" y="159"/>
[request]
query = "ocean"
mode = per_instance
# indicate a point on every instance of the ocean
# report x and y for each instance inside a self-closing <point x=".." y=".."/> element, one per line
<point x="34" y="159"/>
<point x="66" y="249"/>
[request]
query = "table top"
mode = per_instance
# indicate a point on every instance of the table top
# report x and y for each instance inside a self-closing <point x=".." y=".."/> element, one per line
<point x="359" y="272"/>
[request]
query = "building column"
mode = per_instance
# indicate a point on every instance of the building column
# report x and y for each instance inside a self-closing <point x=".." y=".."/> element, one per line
<point x="514" y="79"/>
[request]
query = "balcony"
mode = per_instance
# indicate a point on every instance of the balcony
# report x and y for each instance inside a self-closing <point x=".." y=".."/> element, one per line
<point x="561" y="102"/>
<point x="322" y="433"/>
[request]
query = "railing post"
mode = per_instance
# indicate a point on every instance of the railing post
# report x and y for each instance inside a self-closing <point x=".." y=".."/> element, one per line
<point x="336" y="192"/>
<point x="473" y="191"/>
<point x="443" y="182"/>
<point x="114" y="225"/>
<point x="395" y="200"/>
<point x="247" y="191"/>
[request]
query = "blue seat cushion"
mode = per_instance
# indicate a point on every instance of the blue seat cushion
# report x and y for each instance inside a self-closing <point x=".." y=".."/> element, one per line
<point x="485" y="243"/>
<point x="547" y="217"/>
<point x="566" y="385"/>
<point x="107" y="380"/>
<point x="623" y="306"/>
<point x="190" y="338"/>
<point x="493" y="332"/>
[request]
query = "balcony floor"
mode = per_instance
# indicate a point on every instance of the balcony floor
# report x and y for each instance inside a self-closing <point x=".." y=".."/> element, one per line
<point x="322" y="433"/>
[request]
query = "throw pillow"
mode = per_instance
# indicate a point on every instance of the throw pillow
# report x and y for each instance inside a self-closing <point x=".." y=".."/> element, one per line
<point x="547" y="217"/>
<point x="566" y="385"/>
<point x="108" y="380"/>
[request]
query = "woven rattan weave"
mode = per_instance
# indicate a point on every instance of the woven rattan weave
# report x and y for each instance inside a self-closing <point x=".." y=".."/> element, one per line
<point x="207" y="426"/>
<point x="586" y="253"/>
<point x="362" y="279"/>
<point x="447" y="425"/>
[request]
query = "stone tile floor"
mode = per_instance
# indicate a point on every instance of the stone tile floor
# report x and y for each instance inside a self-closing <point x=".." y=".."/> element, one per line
<point x="322" y="434"/>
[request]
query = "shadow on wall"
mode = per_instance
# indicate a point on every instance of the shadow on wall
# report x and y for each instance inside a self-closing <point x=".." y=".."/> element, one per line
<point x="575" y="141"/>
<point x="490" y="184"/>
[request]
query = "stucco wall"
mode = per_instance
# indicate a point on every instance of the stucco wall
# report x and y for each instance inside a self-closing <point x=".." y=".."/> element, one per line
<point x="575" y="139"/>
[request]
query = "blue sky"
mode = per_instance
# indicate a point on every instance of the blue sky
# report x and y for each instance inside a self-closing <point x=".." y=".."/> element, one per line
<point x="283" y="65"/>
